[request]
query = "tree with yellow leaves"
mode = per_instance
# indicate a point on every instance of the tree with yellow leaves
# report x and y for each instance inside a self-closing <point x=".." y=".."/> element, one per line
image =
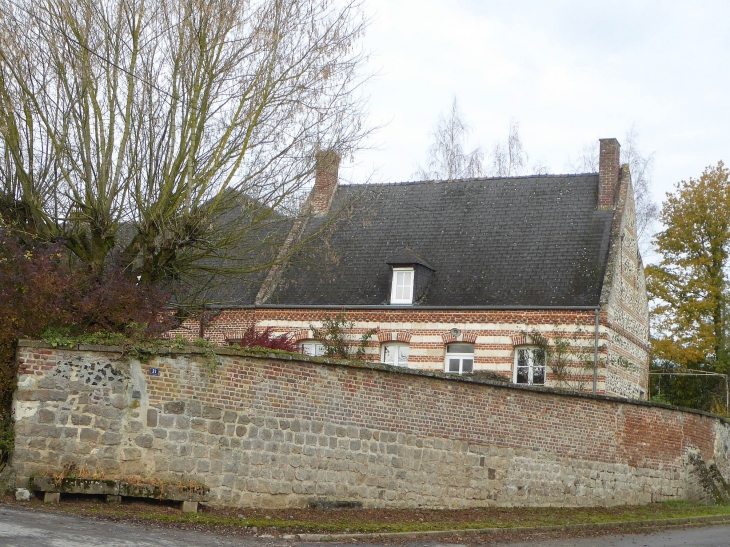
<point x="689" y="287"/>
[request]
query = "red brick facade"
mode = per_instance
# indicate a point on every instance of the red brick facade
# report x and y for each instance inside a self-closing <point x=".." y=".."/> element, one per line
<point x="495" y="334"/>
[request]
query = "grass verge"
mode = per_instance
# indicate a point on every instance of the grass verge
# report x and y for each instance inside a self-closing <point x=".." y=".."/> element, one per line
<point x="343" y="521"/>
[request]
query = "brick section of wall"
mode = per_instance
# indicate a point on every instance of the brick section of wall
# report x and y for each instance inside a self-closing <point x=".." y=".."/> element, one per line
<point x="280" y="432"/>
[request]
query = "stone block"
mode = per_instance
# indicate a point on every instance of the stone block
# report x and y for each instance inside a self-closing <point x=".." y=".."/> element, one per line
<point x="46" y="383"/>
<point x="110" y="438"/>
<point x="177" y="465"/>
<point x="230" y="416"/>
<point x="178" y="436"/>
<point x="189" y="507"/>
<point x="102" y="423"/>
<point x="22" y="494"/>
<point x="194" y="409"/>
<point x="216" y="428"/>
<point x="81" y="419"/>
<point x="199" y="424"/>
<point x="52" y="497"/>
<point x="131" y="454"/>
<point x="152" y="417"/>
<point x="177" y="407"/>
<point x="212" y="413"/>
<point x="89" y="435"/>
<point x="144" y="441"/>
<point x="46" y="416"/>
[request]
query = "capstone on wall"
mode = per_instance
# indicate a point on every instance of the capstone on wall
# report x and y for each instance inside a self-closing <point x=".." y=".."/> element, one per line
<point x="278" y="432"/>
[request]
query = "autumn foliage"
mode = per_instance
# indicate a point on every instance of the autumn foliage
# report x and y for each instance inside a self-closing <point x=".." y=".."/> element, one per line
<point x="253" y="338"/>
<point x="40" y="289"/>
<point x="689" y="286"/>
<point x="689" y="292"/>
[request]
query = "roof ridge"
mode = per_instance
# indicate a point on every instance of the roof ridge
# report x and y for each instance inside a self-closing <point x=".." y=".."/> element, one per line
<point x="470" y="179"/>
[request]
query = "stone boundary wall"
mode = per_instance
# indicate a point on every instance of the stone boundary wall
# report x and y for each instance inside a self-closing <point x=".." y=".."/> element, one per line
<point x="278" y="431"/>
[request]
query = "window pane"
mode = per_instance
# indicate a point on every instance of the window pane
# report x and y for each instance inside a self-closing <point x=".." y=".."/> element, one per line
<point x="399" y="285"/>
<point x="402" y="355"/>
<point x="388" y="354"/>
<point x="315" y="349"/>
<point x="538" y="375"/>
<point x="523" y="358"/>
<point x="402" y="286"/>
<point x="467" y="365"/>
<point x="522" y="377"/>
<point x="538" y="357"/>
<point x="460" y="348"/>
<point x="454" y="365"/>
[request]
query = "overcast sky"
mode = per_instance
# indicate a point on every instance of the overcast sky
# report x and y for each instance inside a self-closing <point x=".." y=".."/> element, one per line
<point x="570" y="72"/>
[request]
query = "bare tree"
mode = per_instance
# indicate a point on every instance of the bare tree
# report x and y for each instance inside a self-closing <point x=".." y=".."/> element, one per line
<point x="170" y="129"/>
<point x="586" y="161"/>
<point x="641" y="166"/>
<point x="510" y="159"/>
<point x="447" y="157"/>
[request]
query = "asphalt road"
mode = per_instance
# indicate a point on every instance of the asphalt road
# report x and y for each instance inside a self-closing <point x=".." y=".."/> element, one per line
<point x="25" y="528"/>
<point x="712" y="536"/>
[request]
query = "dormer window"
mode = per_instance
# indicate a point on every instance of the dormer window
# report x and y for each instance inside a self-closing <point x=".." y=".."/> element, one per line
<point x="402" y="286"/>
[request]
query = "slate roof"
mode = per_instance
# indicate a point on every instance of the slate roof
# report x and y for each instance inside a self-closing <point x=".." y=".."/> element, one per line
<point x="527" y="241"/>
<point x="262" y="231"/>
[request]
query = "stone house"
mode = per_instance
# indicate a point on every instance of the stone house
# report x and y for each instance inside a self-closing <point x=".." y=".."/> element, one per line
<point x="537" y="279"/>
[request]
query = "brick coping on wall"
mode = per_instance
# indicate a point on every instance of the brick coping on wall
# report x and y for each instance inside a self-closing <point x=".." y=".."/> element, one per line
<point x="391" y="307"/>
<point x="373" y="366"/>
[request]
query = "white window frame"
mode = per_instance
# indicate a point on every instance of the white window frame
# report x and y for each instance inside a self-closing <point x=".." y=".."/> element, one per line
<point x="313" y="348"/>
<point x="531" y="366"/>
<point x="397" y="357"/>
<point x="408" y="299"/>
<point x="461" y="357"/>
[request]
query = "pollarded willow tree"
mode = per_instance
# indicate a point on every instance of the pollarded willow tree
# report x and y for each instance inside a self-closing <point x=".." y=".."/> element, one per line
<point x="172" y="134"/>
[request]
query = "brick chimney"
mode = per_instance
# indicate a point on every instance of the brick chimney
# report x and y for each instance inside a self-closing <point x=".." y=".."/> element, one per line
<point x="609" y="169"/>
<point x="325" y="182"/>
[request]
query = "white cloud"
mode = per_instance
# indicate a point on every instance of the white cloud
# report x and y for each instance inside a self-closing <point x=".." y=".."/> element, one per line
<point x="569" y="71"/>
